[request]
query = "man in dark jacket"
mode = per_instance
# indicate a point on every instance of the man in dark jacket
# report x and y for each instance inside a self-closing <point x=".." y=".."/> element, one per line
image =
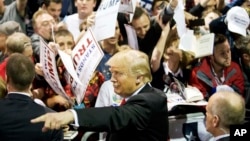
<point x="144" y="116"/>
<point x="18" y="107"/>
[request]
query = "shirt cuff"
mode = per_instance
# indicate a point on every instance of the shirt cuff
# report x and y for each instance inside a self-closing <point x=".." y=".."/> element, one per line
<point x="76" y="124"/>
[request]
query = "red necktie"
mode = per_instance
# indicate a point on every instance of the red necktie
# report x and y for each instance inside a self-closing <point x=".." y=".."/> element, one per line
<point x="123" y="102"/>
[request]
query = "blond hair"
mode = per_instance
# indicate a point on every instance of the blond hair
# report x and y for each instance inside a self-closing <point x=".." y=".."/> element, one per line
<point x="135" y="61"/>
<point x="37" y="14"/>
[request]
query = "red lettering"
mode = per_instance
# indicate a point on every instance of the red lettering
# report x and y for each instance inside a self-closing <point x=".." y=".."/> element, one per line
<point x="76" y="58"/>
<point x="89" y="42"/>
<point x="81" y="51"/>
<point x="48" y="53"/>
<point x="50" y="65"/>
<point x="50" y="68"/>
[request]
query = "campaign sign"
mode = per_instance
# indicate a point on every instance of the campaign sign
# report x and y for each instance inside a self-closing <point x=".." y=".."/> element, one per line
<point x="47" y="59"/>
<point x="87" y="54"/>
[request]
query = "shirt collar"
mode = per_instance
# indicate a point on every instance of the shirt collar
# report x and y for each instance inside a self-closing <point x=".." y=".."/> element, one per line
<point x="167" y="70"/>
<point x="27" y="94"/>
<point x="136" y="92"/>
<point x="221" y="136"/>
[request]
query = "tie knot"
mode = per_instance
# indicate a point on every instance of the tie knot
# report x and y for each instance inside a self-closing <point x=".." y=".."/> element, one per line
<point x="123" y="101"/>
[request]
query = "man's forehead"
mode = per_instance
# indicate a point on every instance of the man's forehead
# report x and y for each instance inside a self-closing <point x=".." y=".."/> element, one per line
<point x="143" y="20"/>
<point x="117" y="68"/>
<point x="55" y="3"/>
<point x="44" y="17"/>
<point x="64" y="37"/>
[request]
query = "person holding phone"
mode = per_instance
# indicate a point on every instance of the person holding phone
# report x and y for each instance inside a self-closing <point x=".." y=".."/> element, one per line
<point x="157" y="6"/>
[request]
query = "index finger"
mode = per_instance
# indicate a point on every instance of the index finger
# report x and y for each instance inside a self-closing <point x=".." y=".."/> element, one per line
<point x="38" y="119"/>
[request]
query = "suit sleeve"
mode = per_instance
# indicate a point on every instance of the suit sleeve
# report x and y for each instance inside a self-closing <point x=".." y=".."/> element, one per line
<point x="136" y="113"/>
<point x="57" y="135"/>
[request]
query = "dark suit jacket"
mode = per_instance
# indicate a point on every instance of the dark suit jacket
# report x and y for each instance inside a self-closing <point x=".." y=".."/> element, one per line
<point x="144" y="117"/>
<point x="224" y="139"/>
<point x="16" y="111"/>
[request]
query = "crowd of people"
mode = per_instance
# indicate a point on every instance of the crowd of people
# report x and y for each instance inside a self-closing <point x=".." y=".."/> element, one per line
<point x="140" y="77"/>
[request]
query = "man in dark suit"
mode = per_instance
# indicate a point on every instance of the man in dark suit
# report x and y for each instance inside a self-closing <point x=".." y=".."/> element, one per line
<point x="18" y="107"/>
<point x="144" y="116"/>
<point x="224" y="108"/>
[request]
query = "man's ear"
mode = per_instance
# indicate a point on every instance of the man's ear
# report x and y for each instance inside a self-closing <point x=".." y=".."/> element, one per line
<point x="216" y="121"/>
<point x="138" y="79"/>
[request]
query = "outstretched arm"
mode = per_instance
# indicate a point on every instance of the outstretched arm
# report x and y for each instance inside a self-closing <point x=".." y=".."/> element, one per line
<point x="54" y="120"/>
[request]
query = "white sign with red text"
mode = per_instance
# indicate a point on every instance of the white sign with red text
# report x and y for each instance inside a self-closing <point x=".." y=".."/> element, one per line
<point x="68" y="63"/>
<point x="47" y="59"/>
<point x="86" y="55"/>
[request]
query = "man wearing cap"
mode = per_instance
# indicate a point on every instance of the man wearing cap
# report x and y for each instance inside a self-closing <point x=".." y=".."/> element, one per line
<point x="233" y="25"/>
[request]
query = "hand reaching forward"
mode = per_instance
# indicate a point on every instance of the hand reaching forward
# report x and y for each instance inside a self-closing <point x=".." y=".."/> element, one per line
<point x="58" y="100"/>
<point x="39" y="69"/>
<point x="54" y="120"/>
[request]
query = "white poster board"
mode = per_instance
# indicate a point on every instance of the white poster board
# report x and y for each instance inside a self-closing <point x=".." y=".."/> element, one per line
<point x="47" y="60"/>
<point x="105" y="19"/>
<point x="86" y="55"/>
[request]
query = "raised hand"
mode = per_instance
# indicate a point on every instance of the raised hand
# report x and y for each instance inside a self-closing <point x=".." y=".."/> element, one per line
<point x="39" y="69"/>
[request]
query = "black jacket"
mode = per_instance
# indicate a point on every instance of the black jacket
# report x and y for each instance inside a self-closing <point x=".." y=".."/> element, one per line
<point x="144" y="117"/>
<point x="16" y="111"/>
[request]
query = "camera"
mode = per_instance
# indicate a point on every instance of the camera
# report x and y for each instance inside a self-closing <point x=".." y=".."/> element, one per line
<point x="165" y="16"/>
<point x="197" y="22"/>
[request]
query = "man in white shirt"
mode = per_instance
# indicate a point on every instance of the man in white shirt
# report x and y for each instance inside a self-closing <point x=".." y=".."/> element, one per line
<point x="84" y="9"/>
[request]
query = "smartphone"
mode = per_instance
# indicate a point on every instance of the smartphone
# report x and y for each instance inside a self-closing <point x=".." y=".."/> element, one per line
<point x="166" y="17"/>
<point x="197" y="22"/>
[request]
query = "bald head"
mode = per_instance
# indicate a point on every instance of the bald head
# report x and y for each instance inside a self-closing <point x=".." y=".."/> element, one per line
<point x="229" y="106"/>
